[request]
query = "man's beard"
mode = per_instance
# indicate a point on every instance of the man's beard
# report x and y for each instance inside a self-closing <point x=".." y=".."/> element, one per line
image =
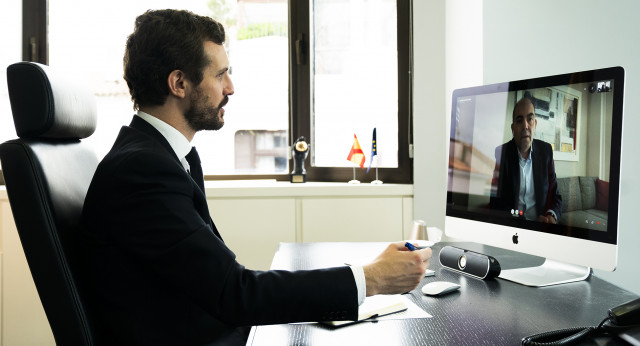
<point x="201" y="116"/>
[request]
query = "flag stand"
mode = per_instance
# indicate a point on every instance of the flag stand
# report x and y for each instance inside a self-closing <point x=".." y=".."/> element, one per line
<point x="356" y="156"/>
<point x="377" y="181"/>
<point x="354" y="181"/>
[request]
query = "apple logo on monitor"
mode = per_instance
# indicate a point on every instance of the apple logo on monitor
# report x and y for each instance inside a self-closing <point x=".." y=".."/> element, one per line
<point x="515" y="238"/>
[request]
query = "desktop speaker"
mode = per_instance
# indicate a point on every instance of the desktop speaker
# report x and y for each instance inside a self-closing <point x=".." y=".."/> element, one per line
<point x="470" y="263"/>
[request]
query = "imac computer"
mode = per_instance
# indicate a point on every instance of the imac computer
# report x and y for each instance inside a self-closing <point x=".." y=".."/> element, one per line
<point x="534" y="167"/>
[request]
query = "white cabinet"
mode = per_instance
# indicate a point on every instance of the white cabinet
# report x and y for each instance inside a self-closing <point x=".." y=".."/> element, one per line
<point x="352" y="219"/>
<point x="253" y="217"/>
<point x="253" y="227"/>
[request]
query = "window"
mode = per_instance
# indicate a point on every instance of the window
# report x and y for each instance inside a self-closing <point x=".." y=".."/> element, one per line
<point x="354" y="80"/>
<point x="321" y="69"/>
<point x="260" y="150"/>
<point x="351" y="74"/>
<point x="257" y="45"/>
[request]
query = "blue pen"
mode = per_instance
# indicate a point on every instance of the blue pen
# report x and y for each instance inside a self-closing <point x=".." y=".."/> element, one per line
<point x="413" y="248"/>
<point x="410" y="246"/>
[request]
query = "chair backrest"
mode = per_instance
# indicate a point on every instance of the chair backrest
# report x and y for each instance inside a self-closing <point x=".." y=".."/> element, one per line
<point x="47" y="173"/>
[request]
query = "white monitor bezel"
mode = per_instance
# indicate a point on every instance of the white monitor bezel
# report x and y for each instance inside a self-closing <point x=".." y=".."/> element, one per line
<point x="592" y="253"/>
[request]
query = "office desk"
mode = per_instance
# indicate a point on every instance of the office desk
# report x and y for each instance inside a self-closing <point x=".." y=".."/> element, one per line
<point x="493" y="312"/>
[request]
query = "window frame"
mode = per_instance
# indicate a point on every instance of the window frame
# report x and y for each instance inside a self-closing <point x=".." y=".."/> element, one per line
<point x="300" y="98"/>
<point x="35" y="20"/>
<point x="34" y="27"/>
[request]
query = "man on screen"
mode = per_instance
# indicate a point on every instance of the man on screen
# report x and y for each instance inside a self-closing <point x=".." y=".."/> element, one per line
<point x="525" y="170"/>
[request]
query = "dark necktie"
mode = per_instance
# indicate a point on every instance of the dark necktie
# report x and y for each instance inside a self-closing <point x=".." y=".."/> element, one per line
<point x="195" y="169"/>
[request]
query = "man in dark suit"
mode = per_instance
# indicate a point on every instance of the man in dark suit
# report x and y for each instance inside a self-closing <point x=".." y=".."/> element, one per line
<point x="157" y="271"/>
<point x="525" y="171"/>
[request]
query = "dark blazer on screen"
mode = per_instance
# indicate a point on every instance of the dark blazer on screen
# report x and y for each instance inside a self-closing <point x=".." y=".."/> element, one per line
<point x="157" y="271"/>
<point x="544" y="178"/>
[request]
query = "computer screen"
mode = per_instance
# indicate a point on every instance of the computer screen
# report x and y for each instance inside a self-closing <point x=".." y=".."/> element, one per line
<point x="534" y="166"/>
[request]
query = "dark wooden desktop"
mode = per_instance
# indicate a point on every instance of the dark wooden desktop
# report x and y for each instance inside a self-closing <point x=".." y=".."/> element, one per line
<point x="492" y="312"/>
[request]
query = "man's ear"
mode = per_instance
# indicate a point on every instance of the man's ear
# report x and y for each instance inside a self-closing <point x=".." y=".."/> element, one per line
<point x="177" y="83"/>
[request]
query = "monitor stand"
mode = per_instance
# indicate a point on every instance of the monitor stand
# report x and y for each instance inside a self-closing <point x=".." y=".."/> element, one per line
<point x="549" y="273"/>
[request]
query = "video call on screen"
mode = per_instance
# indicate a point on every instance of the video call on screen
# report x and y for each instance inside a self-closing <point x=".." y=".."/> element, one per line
<point x="574" y="119"/>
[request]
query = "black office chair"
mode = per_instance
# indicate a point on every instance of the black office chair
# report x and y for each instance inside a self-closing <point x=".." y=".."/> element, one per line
<point x="47" y="172"/>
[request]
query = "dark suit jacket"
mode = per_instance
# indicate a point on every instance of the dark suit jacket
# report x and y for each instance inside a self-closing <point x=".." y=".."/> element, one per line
<point x="544" y="178"/>
<point x="157" y="271"/>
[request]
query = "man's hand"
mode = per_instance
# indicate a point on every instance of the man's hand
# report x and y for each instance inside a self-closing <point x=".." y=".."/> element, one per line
<point x="547" y="219"/>
<point x="396" y="270"/>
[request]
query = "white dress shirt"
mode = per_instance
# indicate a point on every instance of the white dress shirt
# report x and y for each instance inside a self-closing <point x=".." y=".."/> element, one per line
<point x="178" y="142"/>
<point x="527" y="195"/>
<point x="181" y="146"/>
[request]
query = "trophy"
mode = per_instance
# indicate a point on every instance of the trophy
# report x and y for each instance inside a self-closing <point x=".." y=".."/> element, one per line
<point x="300" y="152"/>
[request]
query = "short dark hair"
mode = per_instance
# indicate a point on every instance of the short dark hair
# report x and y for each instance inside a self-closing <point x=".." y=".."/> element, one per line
<point x="164" y="41"/>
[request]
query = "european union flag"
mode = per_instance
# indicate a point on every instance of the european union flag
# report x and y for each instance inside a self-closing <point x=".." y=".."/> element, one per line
<point x="374" y="149"/>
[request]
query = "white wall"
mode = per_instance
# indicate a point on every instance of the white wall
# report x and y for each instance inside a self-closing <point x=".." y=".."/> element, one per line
<point x="447" y="44"/>
<point x="429" y="122"/>
<point x="522" y="40"/>
<point x="527" y="39"/>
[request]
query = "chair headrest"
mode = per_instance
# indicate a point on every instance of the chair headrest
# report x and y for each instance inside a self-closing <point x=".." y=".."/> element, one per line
<point x="45" y="104"/>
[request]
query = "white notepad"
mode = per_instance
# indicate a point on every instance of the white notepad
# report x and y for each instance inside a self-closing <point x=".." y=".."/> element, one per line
<point x="382" y="307"/>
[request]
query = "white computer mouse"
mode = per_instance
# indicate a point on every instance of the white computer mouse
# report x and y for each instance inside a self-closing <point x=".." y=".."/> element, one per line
<point x="436" y="288"/>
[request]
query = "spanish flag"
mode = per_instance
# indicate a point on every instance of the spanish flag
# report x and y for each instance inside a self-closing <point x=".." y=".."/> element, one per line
<point x="356" y="155"/>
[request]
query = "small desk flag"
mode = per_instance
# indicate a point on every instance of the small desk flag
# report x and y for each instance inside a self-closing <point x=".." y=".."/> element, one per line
<point x="374" y="149"/>
<point x="356" y="155"/>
